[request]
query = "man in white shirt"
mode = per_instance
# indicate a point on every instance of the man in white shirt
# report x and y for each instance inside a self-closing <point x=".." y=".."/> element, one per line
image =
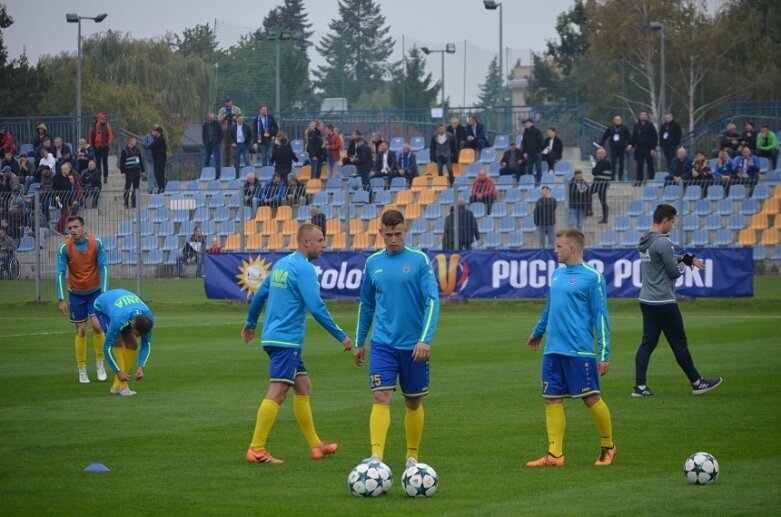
<point x="241" y="135"/>
<point x="385" y="164"/>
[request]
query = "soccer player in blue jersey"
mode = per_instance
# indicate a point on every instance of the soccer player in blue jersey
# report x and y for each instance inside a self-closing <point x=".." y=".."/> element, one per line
<point x="399" y="294"/>
<point x="576" y="310"/>
<point x="82" y="268"/>
<point x="287" y="292"/>
<point x="124" y="318"/>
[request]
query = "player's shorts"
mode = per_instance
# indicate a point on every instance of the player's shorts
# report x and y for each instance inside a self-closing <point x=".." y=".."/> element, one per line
<point x="566" y="376"/>
<point x="388" y="364"/>
<point x="286" y="364"/>
<point x="82" y="306"/>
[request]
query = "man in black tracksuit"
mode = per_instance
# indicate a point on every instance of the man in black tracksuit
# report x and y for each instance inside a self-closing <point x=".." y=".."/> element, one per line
<point x="644" y="141"/>
<point x="670" y="135"/>
<point x="131" y="165"/>
<point x="617" y="138"/>
<point x="660" y="267"/>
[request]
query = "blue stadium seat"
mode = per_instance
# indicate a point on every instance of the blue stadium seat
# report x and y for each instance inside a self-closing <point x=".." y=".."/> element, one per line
<point x="418" y="226"/>
<point x="699" y="238"/>
<point x="748" y="206"/>
<point x="773" y="178"/>
<point x="166" y="228"/>
<point x="266" y="173"/>
<point x="170" y="243"/>
<point x="515" y="240"/>
<point x="216" y="201"/>
<point x="776" y="252"/>
<point x="760" y="253"/>
<point x="368" y="212"/>
<point x="155" y="257"/>
<point x="26" y="243"/>
<point x="377" y="183"/>
<point x="347" y="170"/>
<point x="644" y="222"/>
<point x="447" y="197"/>
<point x="761" y="192"/>
<point x="423" y="157"/>
<point x="764" y="164"/>
<point x="320" y="199"/>
<point x="245" y="171"/>
<point x="713" y="222"/>
<point x="520" y="209"/>
<point x="493" y="240"/>
<point x="478" y="209"/>
<point x="209" y="228"/>
<point x="723" y="237"/>
<point x="125" y="229"/>
<point x="473" y="170"/>
<point x="201" y="215"/>
<point x="227" y="228"/>
<point x="499" y="210"/>
<point x="675" y="237"/>
<point x="181" y="216"/>
<point x="501" y="142"/>
<point x="622" y="223"/>
<point x="208" y="174"/>
<point x="635" y="208"/>
<point x="396" y="143"/>
<point x="715" y="193"/>
<point x="128" y="243"/>
<point x="302" y="214"/>
<point x="562" y="167"/>
<point x="485" y="225"/>
<point x="131" y="258"/>
<point x="382" y="197"/>
<point x="338" y="197"/>
<point x="172" y="187"/>
<point x="234" y="200"/>
<point x="397" y="184"/>
<point x="532" y="195"/>
<point x="212" y="187"/>
<point x="559" y="193"/>
<point x="156" y="201"/>
<point x="512" y="195"/>
<point x="245" y="213"/>
<point x="736" y="222"/>
<point x="724" y="206"/>
<point x="737" y="192"/>
<point x="608" y="239"/>
<point x="650" y="193"/>
<point x="433" y="211"/>
<point x="488" y="155"/>
<point x="227" y="174"/>
<point x="109" y="243"/>
<point x="528" y="225"/>
<point x="426" y="242"/>
<point x="493" y="169"/>
<point x="192" y="186"/>
<point x="186" y="229"/>
<point x="702" y="207"/>
<point x="147" y="228"/>
<point x="334" y="183"/>
<point x="149" y="242"/>
<point x="417" y="143"/>
<point x="507" y="224"/>
<point x="297" y="146"/>
<point x="114" y="257"/>
<point x="659" y="178"/>
<point x="27" y="149"/>
<point x="505" y="181"/>
<point x="360" y="197"/>
<point x="692" y="193"/>
<point x="671" y="193"/>
<point x="548" y="179"/>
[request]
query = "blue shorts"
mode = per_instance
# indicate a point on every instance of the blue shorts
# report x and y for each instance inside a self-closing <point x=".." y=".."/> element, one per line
<point x="104" y="320"/>
<point x="387" y="364"/>
<point x="82" y="306"/>
<point x="286" y="364"/>
<point x="566" y="376"/>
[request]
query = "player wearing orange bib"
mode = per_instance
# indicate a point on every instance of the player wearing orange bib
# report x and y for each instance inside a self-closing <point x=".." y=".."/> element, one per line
<point x="82" y="267"/>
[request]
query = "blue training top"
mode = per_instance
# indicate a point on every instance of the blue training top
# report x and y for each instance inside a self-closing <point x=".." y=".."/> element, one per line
<point x="400" y="296"/>
<point x="577" y="306"/>
<point x="290" y="288"/>
<point x="121" y="306"/>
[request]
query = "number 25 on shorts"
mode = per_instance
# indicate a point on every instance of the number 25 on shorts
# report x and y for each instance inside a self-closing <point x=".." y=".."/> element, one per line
<point x="375" y="381"/>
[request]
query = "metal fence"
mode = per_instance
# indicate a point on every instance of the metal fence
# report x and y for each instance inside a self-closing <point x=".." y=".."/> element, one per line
<point x="69" y="128"/>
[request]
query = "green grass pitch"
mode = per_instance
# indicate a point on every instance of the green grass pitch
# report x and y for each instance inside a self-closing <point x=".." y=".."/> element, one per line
<point x="178" y="446"/>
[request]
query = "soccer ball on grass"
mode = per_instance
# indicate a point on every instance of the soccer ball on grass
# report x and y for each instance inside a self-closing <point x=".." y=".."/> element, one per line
<point x="370" y="479"/>
<point x="701" y="468"/>
<point x="420" y="480"/>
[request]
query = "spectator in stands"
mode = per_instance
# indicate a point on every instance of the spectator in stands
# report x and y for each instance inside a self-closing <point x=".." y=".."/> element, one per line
<point x="730" y="139"/>
<point x="149" y="163"/>
<point x="7" y="141"/>
<point x="531" y="149"/>
<point x="407" y="164"/>
<point x="251" y="192"/>
<point x="10" y="161"/>
<point x="159" y="150"/>
<point x="617" y="137"/>
<point x="316" y="218"/>
<point x="77" y="194"/>
<point x="644" y="141"/>
<point x="680" y="169"/>
<point x="377" y="142"/>
<point x="7" y="247"/>
<point x="483" y="191"/>
<point x="602" y="171"/>
<point x="476" y="137"/>
<point x="552" y="149"/>
<point x="333" y="149"/>
<point x="459" y="133"/>
<point x="241" y="139"/>
<point x="8" y="180"/>
<point x="385" y="164"/>
<point x="61" y="192"/>
<point x="363" y="161"/>
<point x="41" y="133"/>
<point x="46" y="158"/>
<point x="212" y="136"/>
<point x="670" y="135"/>
<point x="272" y="193"/>
<point x="215" y="247"/>
<point x="59" y="148"/>
<point x="725" y="168"/>
<point x="101" y="137"/>
<point x="746" y="169"/>
<point x="767" y="146"/>
<point x="443" y="150"/>
<point x="90" y="182"/>
<point x="545" y="218"/>
<point x="579" y="199"/>
<point x="266" y="129"/>
<point x="468" y="232"/>
<point x="701" y="172"/>
<point x="84" y="154"/>
<point x="45" y="144"/>
<point x="314" y="148"/>
<point x="131" y="166"/>
<point x="283" y="157"/>
<point x="749" y="137"/>
<point x="227" y="118"/>
<point x="18" y="219"/>
<point x="512" y="162"/>
<point x="295" y="193"/>
<point x="46" y="189"/>
<point x="192" y="252"/>
<point x="68" y="158"/>
<point x="27" y="171"/>
<point x="352" y="155"/>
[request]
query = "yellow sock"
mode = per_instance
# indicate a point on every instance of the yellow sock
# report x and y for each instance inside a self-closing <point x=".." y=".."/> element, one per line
<point x="601" y="415"/>
<point x="413" y="424"/>
<point x="97" y="342"/>
<point x="379" y="423"/>
<point x="555" y="424"/>
<point x="267" y="414"/>
<point x="303" y="412"/>
<point x="130" y="357"/>
<point x="81" y="351"/>
<point x="119" y="357"/>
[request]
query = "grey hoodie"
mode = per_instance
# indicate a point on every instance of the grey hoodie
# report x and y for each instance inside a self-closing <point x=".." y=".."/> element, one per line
<point x="660" y="266"/>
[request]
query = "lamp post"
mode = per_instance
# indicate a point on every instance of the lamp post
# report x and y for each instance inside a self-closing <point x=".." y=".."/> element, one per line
<point x="276" y="37"/>
<point x="659" y="26"/>
<point x="75" y="18"/>
<point x="492" y="5"/>
<point x="450" y="48"/>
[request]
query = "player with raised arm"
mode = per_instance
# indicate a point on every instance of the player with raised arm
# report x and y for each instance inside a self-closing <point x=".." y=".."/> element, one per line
<point x="82" y="267"/>
<point x="124" y="318"/>
<point x="576" y="309"/>
<point x="660" y="267"/>
<point x="289" y="290"/>
<point x="399" y="295"/>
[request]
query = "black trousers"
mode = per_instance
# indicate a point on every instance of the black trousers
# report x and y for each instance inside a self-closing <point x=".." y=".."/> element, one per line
<point x="657" y="319"/>
<point x="159" y="166"/>
<point x="599" y="187"/>
<point x="669" y="153"/>
<point x="642" y="157"/>
<point x="132" y="179"/>
<point x="101" y="160"/>
<point x="617" y="156"/>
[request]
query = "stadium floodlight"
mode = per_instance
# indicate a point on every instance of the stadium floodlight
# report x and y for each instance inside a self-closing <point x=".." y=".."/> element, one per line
<point x="450" y="48"/>
<point x="659" y="26"/>
<point x="75" y="18"/>
<point x="492" y="5"/>
<point x="277" y="35"/>
<point x="426" y="50"/>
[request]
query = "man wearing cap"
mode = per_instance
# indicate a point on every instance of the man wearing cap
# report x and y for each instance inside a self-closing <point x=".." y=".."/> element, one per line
<point x="67" y="157"/>
<point x="100" y="138"/>
<point x="9" y="181"/>
<point x="227" y="117"/>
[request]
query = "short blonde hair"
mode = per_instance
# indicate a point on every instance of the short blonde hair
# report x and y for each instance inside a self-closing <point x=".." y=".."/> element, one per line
<point x="573" y="235"/>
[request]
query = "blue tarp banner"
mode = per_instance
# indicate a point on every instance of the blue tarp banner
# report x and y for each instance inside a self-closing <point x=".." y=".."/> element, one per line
<point x="490" y="274"/>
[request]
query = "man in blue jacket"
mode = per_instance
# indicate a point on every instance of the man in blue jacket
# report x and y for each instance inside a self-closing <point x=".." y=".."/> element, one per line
<point x="289" y="290"/>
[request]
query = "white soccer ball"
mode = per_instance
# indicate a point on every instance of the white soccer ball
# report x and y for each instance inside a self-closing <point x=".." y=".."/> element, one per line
<point x="370" y="479"/>
<point x="420" y="480"/>
<point x="701" y="468"/>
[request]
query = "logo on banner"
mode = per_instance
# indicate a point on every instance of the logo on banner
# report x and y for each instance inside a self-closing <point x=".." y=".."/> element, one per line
<point x="252" y="273"/>
<point x="452" y="273"/>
